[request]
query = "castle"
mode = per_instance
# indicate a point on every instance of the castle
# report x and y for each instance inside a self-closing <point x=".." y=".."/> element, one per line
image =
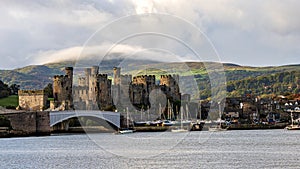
<point x="62" y="91"/>
<point x="95" y="91"/>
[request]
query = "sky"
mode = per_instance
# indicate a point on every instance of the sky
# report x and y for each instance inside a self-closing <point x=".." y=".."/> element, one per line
<point x="252" y="33"/>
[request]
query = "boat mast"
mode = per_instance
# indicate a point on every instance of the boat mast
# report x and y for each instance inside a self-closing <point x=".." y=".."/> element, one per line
<point x="148" y="111"/>
<point x="292" y="118"/>
<point x="168" y="109"/>
<point x="127" y="117"/>
<point x="159" y="111"/>
<point x="197" y="111"/>
<point x="220" y="114"/>
<point x="181" y="114"/>
<point x="187" y="112"/>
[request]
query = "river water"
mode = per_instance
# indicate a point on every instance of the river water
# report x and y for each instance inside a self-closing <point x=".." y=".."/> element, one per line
<point x="228" y="149"/>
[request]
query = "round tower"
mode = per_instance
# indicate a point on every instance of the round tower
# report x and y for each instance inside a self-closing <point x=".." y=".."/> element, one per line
<point x="56" y="87"/>
<point x="69" y="72"/>
<point x="95" y="70"/>
<point x="87" y="76"/>
<point x="117" y="74"/>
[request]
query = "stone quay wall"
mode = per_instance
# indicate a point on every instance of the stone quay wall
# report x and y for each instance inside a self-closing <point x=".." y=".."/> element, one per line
<point x="28" y="123"/>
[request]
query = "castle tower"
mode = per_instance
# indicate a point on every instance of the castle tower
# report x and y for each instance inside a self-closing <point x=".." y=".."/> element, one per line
<point x="93" y="86"/>
<point x="170" y="86"/>
<point x="140" y="89"/>
<point x="103" y="90"/>
<point x="94" y="70"/>
<point x="69" y="72"/>
<point x="69" y="85"/>
<point x="87" y="72"/>
<point x="117" y="75"/>
<point x="62" y="89"/>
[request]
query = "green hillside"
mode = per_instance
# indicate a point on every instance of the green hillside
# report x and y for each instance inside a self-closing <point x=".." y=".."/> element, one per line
<point x="30" y="77"/>
<point x="241" y="80"/>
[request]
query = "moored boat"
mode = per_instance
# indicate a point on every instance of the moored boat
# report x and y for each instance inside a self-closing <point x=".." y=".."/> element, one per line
<point x="216" y="128"/>
<point x="197" y="126"/>
<point x="126" y="131"/>
<point x="181" y="129"/>
<point x="293" y="126"/>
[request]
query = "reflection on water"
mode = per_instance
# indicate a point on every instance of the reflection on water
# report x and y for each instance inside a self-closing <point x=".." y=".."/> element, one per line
<point x="229" y="149"/>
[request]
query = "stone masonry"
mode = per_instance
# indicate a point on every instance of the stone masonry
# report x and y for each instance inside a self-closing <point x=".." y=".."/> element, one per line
<point x="32" y="100"/>
<point x="62" y="91"/>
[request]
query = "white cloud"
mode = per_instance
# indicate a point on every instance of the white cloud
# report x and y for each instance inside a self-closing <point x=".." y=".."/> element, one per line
<point x="242" y="31"/>
<point x="107" y="51"/>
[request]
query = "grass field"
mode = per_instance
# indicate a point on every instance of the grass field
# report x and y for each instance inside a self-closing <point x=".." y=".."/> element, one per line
<point x="10" y="101"/>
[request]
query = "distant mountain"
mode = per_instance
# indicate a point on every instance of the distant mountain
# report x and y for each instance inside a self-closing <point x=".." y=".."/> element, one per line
<point x="241" y="80"/>
<point x="31" y="77"/>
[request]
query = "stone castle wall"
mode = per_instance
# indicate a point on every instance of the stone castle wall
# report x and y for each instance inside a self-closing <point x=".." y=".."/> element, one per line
<point x="32" y="100"/>
<point x="29" y="123"/>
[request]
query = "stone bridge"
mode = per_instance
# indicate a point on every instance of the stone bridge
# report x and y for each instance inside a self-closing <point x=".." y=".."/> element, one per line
<point x="61" y="116"/>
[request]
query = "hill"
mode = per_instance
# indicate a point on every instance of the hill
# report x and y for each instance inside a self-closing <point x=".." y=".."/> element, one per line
<point x="241" y="80"/>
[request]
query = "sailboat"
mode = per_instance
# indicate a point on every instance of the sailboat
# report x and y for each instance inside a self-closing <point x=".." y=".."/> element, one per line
<point x="187" y="121"/>
<point x="293" y="126"/>
<point x="219" y="122"/>
<point x="198" y="125"/>
<point x="217" y="127"/>
<point x="127" y="130"/>
<point x="181" y="129"/>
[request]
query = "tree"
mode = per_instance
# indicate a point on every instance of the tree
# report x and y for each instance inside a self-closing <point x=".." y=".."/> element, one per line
<point x="4" y="90"/>
<point x="14" y="88"/>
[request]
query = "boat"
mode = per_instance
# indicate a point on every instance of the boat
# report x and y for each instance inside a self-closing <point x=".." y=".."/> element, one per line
<point x="167" y="123"/>
<point x="187" y="121"/>
<point x="141" y="123"/>
<point x="197" y="126"/>
<point x="126" y="130"/>
<point x="218" y="126"/>
<point x="293" y="126"/>
<point x="156" y="123"/>
<point x="181" y="129"/>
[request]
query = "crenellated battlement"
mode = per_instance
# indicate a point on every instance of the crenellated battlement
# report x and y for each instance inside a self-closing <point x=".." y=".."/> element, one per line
<point x="102" y="75"/>
<point x="30" y="92"/>
<point x="144" y="79"/>
<point x="58" y="77"/>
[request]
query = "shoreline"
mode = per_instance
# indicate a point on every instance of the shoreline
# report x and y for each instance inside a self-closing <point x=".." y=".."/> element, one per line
<point x="7" y="133"/>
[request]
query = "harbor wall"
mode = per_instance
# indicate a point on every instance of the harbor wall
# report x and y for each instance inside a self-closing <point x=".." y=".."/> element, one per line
<point x="27" y="124"/>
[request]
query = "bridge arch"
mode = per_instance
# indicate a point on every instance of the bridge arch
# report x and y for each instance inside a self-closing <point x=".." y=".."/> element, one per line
<point x="112" y="118"/>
